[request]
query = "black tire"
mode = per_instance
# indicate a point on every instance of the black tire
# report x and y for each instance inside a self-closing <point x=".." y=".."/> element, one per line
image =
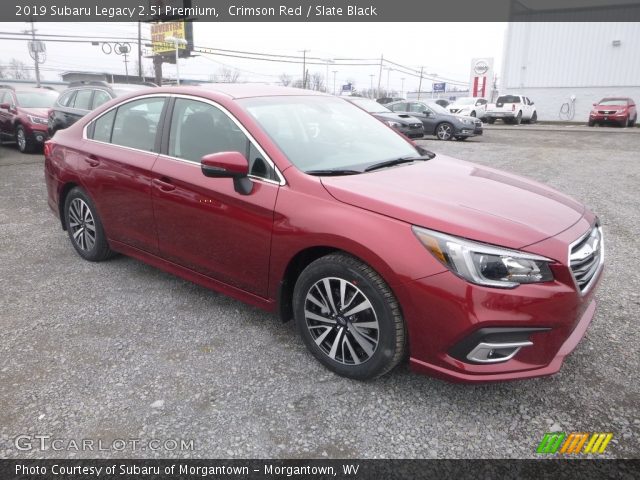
<point x="534" y="117"/>
<point x="25" y="144"/>
<point x="362" y="354"/>
<point x="591" y="123"/>
<point x="444" y="131"/>
<point x="472" y="114"/>
<point x="80" y="215"/>
<point x="491" y="120"/>
<point x="632" y="123"/>
<point x="518" y="119"/>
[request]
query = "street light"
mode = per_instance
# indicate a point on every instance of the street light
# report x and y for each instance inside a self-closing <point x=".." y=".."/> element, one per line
<point x="402" y="90"/>
<point x="176" y="42"/>
<point x="334" y="81"/>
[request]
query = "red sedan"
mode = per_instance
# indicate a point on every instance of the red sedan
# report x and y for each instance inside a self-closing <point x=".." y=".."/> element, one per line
<point x="304" y="204"/>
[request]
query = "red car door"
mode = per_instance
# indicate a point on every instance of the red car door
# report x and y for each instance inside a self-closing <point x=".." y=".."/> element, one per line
<point x="203" y="223"/>
<point x="119" y="154"/>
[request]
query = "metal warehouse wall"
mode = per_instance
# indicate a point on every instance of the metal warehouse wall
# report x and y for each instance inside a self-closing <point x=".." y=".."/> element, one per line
<point x="549" y="62"/>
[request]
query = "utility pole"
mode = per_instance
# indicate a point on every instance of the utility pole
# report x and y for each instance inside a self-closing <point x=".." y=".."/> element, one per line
<point x="420" y="85"/>
<point x="380" y="74"/>
<point x="304" y="68"/>
<point x="402" y="89"/>
<point x="371" y="89"/>
<point x="388" y="72"/>
<point x="334" y="81"/>
<point x="36" y="53"/>
<point x="140" y="50"/>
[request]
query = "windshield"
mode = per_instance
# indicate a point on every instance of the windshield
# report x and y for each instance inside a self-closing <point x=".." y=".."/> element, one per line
<point x="326" y="133"/>
<point x="466" y="101"/>
<point x="369" y="105"/>
<point x="43" y="99"/>
<point x="613" y="101"/>
<point x="508" y="99"/>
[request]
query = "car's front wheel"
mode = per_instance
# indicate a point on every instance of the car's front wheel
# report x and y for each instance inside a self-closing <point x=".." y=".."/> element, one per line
<point x="348" y="317"/>
<point x="25" y="144"/>
<point x="84" y="227"/>
<point x="444" y="131"/>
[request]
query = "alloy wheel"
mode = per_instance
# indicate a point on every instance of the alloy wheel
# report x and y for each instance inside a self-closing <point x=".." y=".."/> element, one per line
<point x="444" y="131"/>
<point x="82" y="224"/>
<point x="342" y="321"/>
<point x="21" y="139"/>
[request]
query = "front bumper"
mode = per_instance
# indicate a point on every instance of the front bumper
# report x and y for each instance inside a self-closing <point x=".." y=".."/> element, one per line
<point x="37" y="133"/>
<point x="613" y="118"/>
<point x="469" y="130"/>
<point x="411" y="132"/>
<point x="443" y="310"/>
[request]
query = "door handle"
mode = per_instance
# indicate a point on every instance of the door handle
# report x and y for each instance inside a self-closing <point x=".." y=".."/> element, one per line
<point x="92" y="160"/>
<point x="163" y="184"/>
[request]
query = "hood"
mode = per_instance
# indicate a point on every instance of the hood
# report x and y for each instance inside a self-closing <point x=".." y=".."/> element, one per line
<point x="459" y="107"/>
<point x="38" y="112"/>
<point x="622" y="106"/>
<point x="397" y="117"/>
<point x="463" y="199"/>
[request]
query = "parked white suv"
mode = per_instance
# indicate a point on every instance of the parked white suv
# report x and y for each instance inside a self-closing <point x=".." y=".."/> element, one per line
<point x="469" y="107"/>
<point x="513" y="109"/>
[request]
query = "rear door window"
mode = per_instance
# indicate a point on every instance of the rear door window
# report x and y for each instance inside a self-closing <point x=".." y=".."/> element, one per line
<point x="136" y="123"/>
<point x="100" y="97"/>
<point x="399" y="107"/>
<point x="83" y="100"/>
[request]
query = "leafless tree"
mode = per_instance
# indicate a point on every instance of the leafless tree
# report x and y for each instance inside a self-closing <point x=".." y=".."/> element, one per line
<point x="17" y="70"/>
<point x="285" y="80"/>
<point x="316" y="81"/>
<point x="227" y="75"/>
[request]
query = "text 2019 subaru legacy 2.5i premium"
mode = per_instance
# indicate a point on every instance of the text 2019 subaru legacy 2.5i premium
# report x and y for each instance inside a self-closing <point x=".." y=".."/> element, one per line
<point x="305" y="204"/>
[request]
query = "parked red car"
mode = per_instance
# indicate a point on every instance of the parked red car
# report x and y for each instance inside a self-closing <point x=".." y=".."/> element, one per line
<point x="304" y="204"/>
<point x="617" y="110"/>
<point x="23" y="115"/>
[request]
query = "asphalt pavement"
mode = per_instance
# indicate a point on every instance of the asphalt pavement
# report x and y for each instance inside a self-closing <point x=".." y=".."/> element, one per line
<point x="121" y="351"/>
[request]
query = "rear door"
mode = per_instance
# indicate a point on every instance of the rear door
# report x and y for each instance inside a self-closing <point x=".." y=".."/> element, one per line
<point x="121" y="149"/>
<point x="426" y="114"/>
<point x="203" y="223"/>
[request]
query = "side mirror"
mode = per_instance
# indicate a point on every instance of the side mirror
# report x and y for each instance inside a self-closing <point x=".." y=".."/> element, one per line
<point x="4" y="106"/>
<point x="427" y="113"/>
<point x="228" y="165"/>
<point x="595" y="104"/>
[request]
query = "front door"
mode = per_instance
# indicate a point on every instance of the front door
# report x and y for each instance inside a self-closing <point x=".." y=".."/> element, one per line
<point x="203" y="223"/>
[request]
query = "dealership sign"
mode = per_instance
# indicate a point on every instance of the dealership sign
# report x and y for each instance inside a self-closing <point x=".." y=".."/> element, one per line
<point x="439" y="87"/>
<point x="481" y="77"/>
<point x="161" y="31"/>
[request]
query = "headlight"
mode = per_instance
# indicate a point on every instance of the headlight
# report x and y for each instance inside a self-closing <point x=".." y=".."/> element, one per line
<point x="485" y="264"/>
<point x="37" y="120"/>
<point x="393" y="124"/>
<point x="466" y="121"/>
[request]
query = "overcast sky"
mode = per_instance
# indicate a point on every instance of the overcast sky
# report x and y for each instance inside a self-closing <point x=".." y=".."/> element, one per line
<point x="445" y="49"/>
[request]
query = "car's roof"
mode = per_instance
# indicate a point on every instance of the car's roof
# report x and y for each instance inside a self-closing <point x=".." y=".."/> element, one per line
<point x="239" y="90"/>
<point x="615" y="98"/>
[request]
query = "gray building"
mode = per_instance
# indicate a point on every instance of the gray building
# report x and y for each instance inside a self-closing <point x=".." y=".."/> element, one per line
<point x="565" y="67"/>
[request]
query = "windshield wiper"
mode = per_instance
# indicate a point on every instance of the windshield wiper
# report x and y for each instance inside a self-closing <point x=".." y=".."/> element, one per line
<point x="332" y="172"/>
<point x="397" y="161"/>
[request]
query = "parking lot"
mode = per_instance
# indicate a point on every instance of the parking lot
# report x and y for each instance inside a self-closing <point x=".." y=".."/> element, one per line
<point x="120" y="350"/>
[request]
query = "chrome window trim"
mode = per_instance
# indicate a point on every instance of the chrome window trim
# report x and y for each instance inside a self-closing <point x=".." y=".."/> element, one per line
<point x="593" y="279"/>
<point x="281" y="180"/>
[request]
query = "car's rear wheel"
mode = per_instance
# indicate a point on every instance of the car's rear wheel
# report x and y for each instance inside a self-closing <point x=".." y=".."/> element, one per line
<point x="491" y="120"/>
<point x="534" y="117"/>
<point x="348" y="317"/>
<point x="444" y="131"/>
<point x="472" y="114"/>
<point x="25" y="144"/>
<point x="84" y="227"/>
<point x="518" y="119"/>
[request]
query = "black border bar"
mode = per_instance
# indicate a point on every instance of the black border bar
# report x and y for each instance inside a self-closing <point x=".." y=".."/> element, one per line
<point x="178" y="469"/>
<point x="321" y="10"/>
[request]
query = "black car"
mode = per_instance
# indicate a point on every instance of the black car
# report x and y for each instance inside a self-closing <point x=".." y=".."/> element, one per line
<point x="406" y="124"/>
<point x="438" y="121"/>
<point x="82" y="97"/>
<point x="385" y="100"/>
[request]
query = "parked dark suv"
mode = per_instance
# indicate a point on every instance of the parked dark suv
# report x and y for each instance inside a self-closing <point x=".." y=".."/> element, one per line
<point x="82" y="97"/>
<point x="23" y="115"/>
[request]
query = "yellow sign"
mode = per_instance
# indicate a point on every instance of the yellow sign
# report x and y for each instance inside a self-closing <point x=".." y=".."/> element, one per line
<point x="161" y="31"/>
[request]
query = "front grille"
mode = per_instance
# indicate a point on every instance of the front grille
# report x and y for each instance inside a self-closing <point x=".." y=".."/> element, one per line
<point x="607" y="112"/>
<point x="586" y="257"/>
<point x="415" y="125"/>
<point x="478" y="123"/>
